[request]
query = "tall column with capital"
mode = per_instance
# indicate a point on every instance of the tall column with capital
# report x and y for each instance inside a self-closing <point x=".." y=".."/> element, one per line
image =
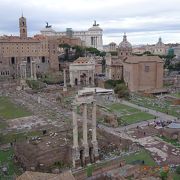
<point x="65" y="86"/>
<point x="76" y="154"/>
<point x="85" y="132"/>
<point x="94" y="138"/>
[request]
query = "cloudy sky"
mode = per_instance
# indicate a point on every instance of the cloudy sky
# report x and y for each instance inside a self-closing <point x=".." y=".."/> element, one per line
<point x="144" y="21"/>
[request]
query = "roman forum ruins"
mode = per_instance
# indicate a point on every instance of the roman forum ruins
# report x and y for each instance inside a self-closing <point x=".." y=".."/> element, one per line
<point x="86" y="154"/>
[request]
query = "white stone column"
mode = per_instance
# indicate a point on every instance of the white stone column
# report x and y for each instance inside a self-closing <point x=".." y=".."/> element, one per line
<point x="92" y="79"/>
<point x="85" y="135"/>
<point x="75" y="127"/>
<point x="75" y="152"/>
<point x="94" y="122"/>
<point x="94" y="138"/>
<point x="72" y="79"/>
<point x="65" y="86"/>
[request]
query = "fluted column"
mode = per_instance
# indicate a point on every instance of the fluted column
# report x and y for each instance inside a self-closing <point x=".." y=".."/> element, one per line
<point x="75" y="152"/>
<point x="65" y="86"/>
<point x="75" y="127"/>
<point x="85" y="135"/>
<point x="94" y="122"/>
<point x="94" y="138"/>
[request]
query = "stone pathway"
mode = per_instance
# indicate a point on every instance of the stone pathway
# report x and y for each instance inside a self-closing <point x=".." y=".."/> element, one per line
<point x="162" y="152"/>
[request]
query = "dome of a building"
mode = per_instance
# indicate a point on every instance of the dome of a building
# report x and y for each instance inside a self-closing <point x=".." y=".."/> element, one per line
<point x="160" y="43"/>
<point x="125" y="44"/>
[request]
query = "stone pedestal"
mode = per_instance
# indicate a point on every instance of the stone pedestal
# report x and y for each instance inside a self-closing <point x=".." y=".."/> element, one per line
<point x="95" y="151"/>
<point x="76" y="157"/>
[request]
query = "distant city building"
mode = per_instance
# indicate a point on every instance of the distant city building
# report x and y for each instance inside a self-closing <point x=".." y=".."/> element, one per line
<point x="140" y="73"/>
<point x="125" y="48"/>
<point x="114" y="64"/>
<point x="143" y="73"/>
<point x="91" y="38"/>
<point x="111" y="47"/>
<point x="41" y="50"/>
<point x="158" y="49"/>
<point x="15" y="49"/>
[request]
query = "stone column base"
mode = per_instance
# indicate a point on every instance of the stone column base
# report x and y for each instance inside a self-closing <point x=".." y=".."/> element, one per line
<point x="86" y="160"/>
<point x="76" y="157"/>
<point x="77" y="163"/>
<point x="96" y="158"/>
<point x="65" y="89"/>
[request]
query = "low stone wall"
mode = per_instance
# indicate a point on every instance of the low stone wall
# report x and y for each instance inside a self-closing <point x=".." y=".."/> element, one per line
<point x="99" y="168"/>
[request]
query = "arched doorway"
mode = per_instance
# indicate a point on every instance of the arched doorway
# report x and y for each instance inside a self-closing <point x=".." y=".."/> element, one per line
<point x="90" y="80"/>
<point x="83" y="79"/>
<point x="76" y="82"/>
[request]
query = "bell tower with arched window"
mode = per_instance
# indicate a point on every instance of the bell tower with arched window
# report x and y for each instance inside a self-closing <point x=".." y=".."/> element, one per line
<point x="23" y="27"/>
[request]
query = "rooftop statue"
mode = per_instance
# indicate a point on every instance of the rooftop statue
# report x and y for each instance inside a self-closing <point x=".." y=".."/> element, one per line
<point x="95" y="23"/>
<point x="47" y="25"/>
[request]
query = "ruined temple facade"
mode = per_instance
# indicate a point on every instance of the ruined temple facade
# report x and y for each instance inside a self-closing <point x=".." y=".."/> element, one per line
<point x="82" y="71"/>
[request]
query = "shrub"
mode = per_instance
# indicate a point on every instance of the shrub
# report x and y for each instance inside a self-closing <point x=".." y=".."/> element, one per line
<point x="178" y="170"/>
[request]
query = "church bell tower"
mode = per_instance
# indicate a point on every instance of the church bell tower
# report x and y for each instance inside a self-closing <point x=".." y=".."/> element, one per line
<point x="22" y="27"/>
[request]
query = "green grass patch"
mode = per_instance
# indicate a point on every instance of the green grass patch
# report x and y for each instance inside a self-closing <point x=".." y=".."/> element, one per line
<point x="176" y="176"/>
<point x="89" y="170"/>
<point x="137" y="117"/>
<point x="152" y="103"/>
<point x="6" y="159"/>
<point x="3" y="125"/>
<point x="11" y="137"/>
<point x="9" y="110"/>
<point x="171" y="141"/>
<point x="122" y="108"/>
<point x="143" y="155"/>
<point x="176" y="95"/>
<point x="129" y="115"/>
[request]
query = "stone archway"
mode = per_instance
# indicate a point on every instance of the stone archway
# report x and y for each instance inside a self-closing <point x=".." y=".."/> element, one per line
<point x="83" y="79"/>
<point x="76" y="81"/>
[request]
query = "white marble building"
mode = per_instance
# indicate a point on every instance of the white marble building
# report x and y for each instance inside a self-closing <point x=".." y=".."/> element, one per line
<point x="91" y="38"/>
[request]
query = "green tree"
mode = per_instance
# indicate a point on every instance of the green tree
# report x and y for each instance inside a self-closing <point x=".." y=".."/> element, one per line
<point x="122" y="90"/>
<point x="79" y="51"/>
<point x="66" y="48"/>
